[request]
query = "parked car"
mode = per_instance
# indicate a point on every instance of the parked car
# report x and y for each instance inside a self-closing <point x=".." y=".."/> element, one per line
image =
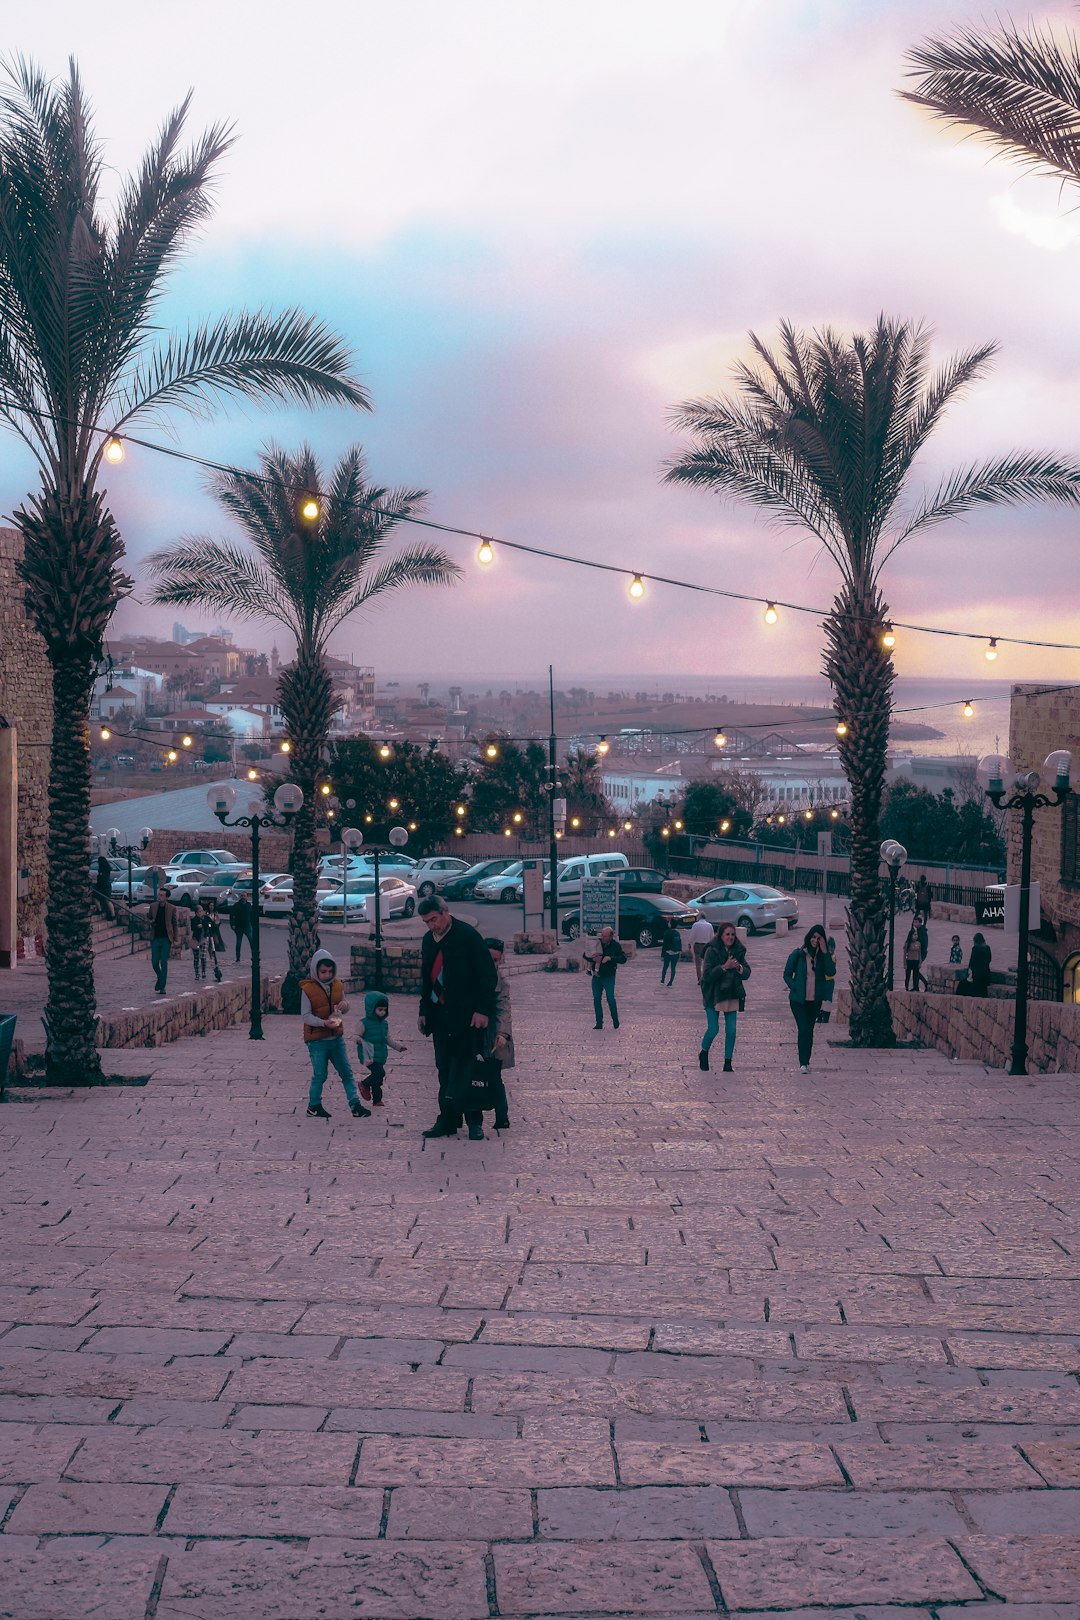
<point x="333" y="865"/>
<point x="432" y="876"/>
<point x="396" y="899"/>
<point x="644" y="918"/>
<point x="220" y="884"/>
<point x="208" y="860"/>
<point x="638" y="880"/>
<point x="571" y="871"/>
<point x="752" y="906"/>
<point x="506" y="886"/>
<point x="462" y="886"/>
<point x="182" y="888"/>
<point x="275" y="895"/>
<point x="139" y="875"/>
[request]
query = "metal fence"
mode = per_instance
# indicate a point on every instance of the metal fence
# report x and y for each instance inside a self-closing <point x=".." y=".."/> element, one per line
<point x="1045" y="977"/>
<point x="809" y="879"/>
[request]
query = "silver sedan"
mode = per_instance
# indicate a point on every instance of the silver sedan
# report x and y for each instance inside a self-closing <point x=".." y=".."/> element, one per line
<point x="752" y="906"/>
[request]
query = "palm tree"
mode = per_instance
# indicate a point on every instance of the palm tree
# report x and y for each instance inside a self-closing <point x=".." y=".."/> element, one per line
<point x="308" y="575"/>
<point x="80" y="352"/>
<point x="822" y="435"/>
<point x="1021" y="90"/>
<point x="584" y="785"/>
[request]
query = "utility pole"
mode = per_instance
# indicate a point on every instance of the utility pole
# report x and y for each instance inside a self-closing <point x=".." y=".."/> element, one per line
<point x="553" y="847"/>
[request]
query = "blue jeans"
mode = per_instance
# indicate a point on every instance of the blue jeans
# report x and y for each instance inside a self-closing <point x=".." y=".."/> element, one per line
<point x="160" y="951"/>
<point x="712" y="1030"/>
<point x="604" y="987"/>
<point x="668" y="964"/>
<point x="323" y="1053"/>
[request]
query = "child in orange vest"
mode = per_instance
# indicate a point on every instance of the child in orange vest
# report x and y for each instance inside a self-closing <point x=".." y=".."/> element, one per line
<point x="322" y="1005"/>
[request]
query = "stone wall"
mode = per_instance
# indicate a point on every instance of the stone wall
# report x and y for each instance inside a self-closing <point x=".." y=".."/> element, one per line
<point x="968" y="1027"/>
<point x="194" y="1014"/>
<point x="1039" y="722"/>
<point x="275" y="848"/>
<point x="401" y="968"/>
<point x="26" y="703"/>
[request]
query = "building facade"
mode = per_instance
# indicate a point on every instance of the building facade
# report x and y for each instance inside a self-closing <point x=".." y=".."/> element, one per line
<point x="25" y="705"/>
<point x="1043" y="718"/>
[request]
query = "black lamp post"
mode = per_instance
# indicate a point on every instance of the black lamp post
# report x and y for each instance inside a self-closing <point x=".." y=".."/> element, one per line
<point x="894" y="855"/>
<point x="130" y="853"/>
<point x="994" y="771"/>
<point x="398" y="837"/>
<point x="287" y="801"/>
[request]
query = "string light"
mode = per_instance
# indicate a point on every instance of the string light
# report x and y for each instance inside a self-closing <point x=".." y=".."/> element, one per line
<point x="575" y="821"/>
<point x="889" y="638"/>
<point x="725" y="826"/>
<point x="808" y="815"/>
<point x="720" y="740"/>
<point x="393" y="804"/>
<point x="771" y="614"/>
<point x="486" y="553"/>
<point x="185" y="742"/>
<point x="253" y="775"/>
<point x="636" y="587"/>
<point x="603" y="745"/>
<point x="459" y="832"/>
<point x="835" y="814"/>
<point x="309" y="509"/>
<point x="104" y="733"/>
<point x="114" y="451"/>
<point x="385" y="750"/>
<point x="507" y="833"/>
<point x="491" y="751"/>
<point x="172" y="756"/>
<point x="286" y="746"/>
<point x="841" y="728"/>
<point x="992" y="650"/>
<point x="325" y="790"/>
<point x="968" y="709"/>
<point x="628" y="826"/>
<point x="516" y="818"/>
<point x="460" y="811"/>
<point x="781" y="820"/>
<point x="611" y="832"/>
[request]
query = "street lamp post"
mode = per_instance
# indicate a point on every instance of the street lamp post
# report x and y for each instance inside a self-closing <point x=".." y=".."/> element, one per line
<point x="894" y="855"/>
<point x="287" y="802"/>
<point x="553" y="847"/>
<point x="994" y="771"/>
<point x="398" y="837"/>
<point x="129" y="852"/>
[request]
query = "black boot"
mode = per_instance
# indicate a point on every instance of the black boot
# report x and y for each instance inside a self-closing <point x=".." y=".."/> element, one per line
<point x="727" y="1066"/>
<point x="703" y="1059"/>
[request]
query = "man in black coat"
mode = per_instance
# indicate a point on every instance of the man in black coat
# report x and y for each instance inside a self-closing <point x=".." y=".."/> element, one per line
<point x="457" y="997"/>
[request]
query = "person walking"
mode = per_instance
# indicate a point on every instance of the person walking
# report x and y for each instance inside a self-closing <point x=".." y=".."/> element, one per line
<point x="602" y="961"/>
<point x="322" y="1009"/>
<point x="215" y="945"/>
<point x="200" y="931"/>
<point x="724" y="974"/>
<point x="458" y="981"/>
<point x="979" y="966"/>
<point x="702" y="934"/>
<point x="913" y="956"/>
<point x="805" y="974"/>
<point x="922" y="896"/>
<point x="499" y="1042"/>
<point x="240" y="920"/>
<point x="103" y="887"/>
<point x="164" y="934"/>
<point x="670" y="952"/>
<point x="373" y="1047"/>
<point x="919" y="924"/>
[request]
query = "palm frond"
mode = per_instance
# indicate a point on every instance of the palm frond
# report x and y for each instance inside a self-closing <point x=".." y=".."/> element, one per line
<point x="1019" y="90"/>
<point x="199" y="572"/>
<point x="1004" y="482"/>
<point x="417" y="565"/>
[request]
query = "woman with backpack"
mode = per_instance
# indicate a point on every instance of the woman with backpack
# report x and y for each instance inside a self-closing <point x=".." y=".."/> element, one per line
<point x="723" y="975"/>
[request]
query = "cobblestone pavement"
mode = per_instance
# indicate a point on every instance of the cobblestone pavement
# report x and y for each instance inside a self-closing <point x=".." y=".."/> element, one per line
<point x="678" y="1343"/>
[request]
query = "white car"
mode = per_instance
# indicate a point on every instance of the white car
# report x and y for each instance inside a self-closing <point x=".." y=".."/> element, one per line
<point x="275" y="895"/>
<point x="432" y="876"/>
<point x="752" y="906"/>
<point x="396" y="899"/>
<point x="204" y="861"/>
<point x="182" y="888"/>
<point x="219" y="884"/>
<point x="507" y="886"/>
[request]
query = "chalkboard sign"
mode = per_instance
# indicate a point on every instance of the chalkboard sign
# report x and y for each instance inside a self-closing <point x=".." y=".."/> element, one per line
<point x="599" y="904"/>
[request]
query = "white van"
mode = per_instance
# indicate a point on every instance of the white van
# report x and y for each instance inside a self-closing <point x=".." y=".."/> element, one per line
<point x="576" y="867"/>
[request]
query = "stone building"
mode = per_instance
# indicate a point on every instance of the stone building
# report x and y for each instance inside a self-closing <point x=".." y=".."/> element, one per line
<point x="1043" y="718"/>
<point x="26" y="704"/>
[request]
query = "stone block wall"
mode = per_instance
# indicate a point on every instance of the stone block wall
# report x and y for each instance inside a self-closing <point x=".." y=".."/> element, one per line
<point x="401" y="967"/>
<point x="541" y="944"/>
<point x="967" y="1027"/>
<point x="194" y="1014"/>
<point x="275" y="848"/>
<point x="26" y="703"/>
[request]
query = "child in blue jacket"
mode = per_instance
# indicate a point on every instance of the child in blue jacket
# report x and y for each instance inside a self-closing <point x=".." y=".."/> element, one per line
<point x="374" y="1045"/>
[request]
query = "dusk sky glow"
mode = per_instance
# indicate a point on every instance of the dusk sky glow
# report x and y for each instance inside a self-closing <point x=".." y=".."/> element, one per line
<point x="540" y="226"/>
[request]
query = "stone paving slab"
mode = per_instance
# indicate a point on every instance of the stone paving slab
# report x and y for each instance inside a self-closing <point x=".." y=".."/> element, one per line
<point x="678" y="1343"/>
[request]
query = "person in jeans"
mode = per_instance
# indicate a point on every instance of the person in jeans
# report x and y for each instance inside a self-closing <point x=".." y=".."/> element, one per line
<point x="499" y="1045"/>
<point x="164" y="934"/>
<point x="240" y="918"/>
<point x="913" y="956"/>
<point x="805" y="974"/>
<point x="670" y="951"/>
<point x="322" y="1008"/>
<point x="726" y="970"/>
<point x="458" y="982"/>
<point x="602" y="962"/>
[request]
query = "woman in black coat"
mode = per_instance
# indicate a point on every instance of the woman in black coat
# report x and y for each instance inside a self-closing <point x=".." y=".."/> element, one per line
<point x="723" y="975"/>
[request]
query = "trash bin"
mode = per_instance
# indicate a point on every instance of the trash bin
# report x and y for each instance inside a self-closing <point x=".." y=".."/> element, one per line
<point x="7" y="1035"/>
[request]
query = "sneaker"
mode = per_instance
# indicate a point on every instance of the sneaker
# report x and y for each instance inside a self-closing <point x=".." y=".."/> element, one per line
<point x="365" y="1090"/>
<point x="358" y="1111"/>
<point x="614" y="1023"/>
<point x="598" y="1026"/>
<point x="703" y="1060"/>
<point x="727" y="1066"/>
<point x="476" y="1133"/>
<point x="439" y="1129"/>
<point x="502" y="1124"/>
<point x="377" y="1102"/>
<point x="804" y="1068"/>
<point x="318" y="1112"/>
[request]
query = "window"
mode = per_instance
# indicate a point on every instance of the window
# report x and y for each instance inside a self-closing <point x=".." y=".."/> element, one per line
<point x="1070" y="840"/>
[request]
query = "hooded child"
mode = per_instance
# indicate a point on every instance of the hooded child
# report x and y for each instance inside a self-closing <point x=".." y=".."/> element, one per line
<point x="322" y="1007"/>
<point x="373" y="1047"/>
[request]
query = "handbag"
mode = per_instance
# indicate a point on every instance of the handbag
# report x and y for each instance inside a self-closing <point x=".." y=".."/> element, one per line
<point x="477" y="1082"/>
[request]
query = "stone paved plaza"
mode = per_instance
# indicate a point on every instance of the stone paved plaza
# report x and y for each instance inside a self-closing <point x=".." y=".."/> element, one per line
<point x="677" y="1344"/>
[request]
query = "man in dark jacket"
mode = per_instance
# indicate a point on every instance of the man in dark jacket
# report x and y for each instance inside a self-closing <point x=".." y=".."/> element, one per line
<point x="240" y="918"/>
<point x="457" y="998"/>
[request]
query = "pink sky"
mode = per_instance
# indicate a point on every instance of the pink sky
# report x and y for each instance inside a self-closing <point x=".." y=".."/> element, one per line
<point x="540" y="226"/>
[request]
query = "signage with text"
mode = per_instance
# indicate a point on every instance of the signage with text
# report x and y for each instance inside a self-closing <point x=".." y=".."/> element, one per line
<point x="599" y="904"/>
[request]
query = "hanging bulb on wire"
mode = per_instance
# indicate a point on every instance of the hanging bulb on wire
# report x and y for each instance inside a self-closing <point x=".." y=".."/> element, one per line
<point x="603" y="745"/>
<point x="309" y="509"/>
<point x="636" y="587"/>
<point x="771" y="614"/>
<point x="968" y="709"/>
<point x="720" y="740"/>
<point x="991" y="651"/>
<point x="888" y="638"/>
<point x="841" y="728"/>
<point x="114" y="451"/>
<point x="485" y="553"/>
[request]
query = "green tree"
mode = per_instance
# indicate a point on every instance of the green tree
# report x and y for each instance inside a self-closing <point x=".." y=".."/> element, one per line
<point x="81" y="350"/>
<point x="309" y="575"/>
<point x="710" y="811"/>
<point x="583" y="785"/>
<point x="515" y="780"/>
<point x="425" y="782"/>
<point x="933" y="827"/>
<point x="822" y="434"/>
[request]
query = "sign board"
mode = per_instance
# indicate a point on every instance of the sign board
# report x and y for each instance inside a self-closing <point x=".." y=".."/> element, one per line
<point x="824" y="843"/>
<point x="999" y="907"/>
<point x="532" y="894"/>
<point x="599" y="904"/>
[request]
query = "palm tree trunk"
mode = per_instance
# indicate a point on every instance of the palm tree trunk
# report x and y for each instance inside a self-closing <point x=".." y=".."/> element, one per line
<point x="71" y="1056"/>
<point x="861" y="673"/>
<point x="306" y="694"/>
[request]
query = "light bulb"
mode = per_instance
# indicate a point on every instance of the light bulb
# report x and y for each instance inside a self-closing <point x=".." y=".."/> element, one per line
<point x="491" y="751"/>
<point x="286" y="747"/>
<point x="841" y="728"/>
<point x="637" y="587"/>
<point x="968" y="709"/>
<point x="309" y="509"/>
<point x="114" y="450"/>
<point x="105" y="733"/>
<point x="486" y="553"/>
<point x="678" y="826"/>
<point x="602" y="746"/>
<point x="460" y="810"/>
<point x="507" y="833"/>
<point x="171" y="756"/>
<point x="325" y="789"/>
<point x="368" y="819"/>
<point x="808" y="815"/>
<point x="835" y="814"/>
<point x="253" y="775"/>
<point x="627" y="826"/>
<point x="991" y="651"/>
<point x="384" y="750"/>
<point x="781" y="819"/>
<point x="720" y="740"/>
<point x="413" y="825"/>
<point x="771" y="614"/>
<point x="725" y="826"/>
<point x="393" y="804"/>
<point x="459" y="832"/>
<point x="889" y="638"/>
<point x="665" y="832"/>
<point x="185" y="742"/>
<point x="575" y="821"/>
<point x="516" y="817"/>
<point x="611" y="832"/>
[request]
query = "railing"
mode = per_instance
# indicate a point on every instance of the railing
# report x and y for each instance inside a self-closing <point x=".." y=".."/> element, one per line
<point x="1045" y="977"/>
<point x="797" y="878"/>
